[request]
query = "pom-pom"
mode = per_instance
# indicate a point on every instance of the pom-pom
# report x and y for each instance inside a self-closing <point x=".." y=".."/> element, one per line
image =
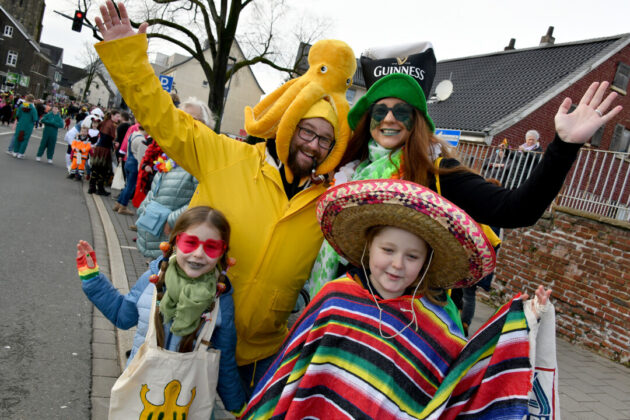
<point x="165" y="247"/>
<point x="221" y="287"/>
<point x="154" y="278"/>
<point x="231" y="261"/>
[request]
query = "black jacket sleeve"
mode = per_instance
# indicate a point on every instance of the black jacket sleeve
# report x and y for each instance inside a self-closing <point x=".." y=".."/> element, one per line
<point x="501" y="207"/>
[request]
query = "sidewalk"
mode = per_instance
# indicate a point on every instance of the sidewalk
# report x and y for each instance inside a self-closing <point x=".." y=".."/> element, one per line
<point x="591" y="387"/>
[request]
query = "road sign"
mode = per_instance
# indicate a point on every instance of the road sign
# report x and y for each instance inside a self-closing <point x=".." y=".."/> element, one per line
<point x="167" y="82"/>
<point x="24" y="80"/>
<point x="451" y="136"/>
<point x="12" y="78"/>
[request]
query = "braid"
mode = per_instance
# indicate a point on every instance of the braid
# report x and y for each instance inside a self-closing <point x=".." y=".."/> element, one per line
<point x="159" y="323"/>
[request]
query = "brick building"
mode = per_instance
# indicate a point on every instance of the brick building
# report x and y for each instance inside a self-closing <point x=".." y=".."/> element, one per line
<point x="504" y="94"/>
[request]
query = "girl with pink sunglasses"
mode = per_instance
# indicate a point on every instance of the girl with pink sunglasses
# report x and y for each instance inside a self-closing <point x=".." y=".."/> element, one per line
<point x="187" y="280"/>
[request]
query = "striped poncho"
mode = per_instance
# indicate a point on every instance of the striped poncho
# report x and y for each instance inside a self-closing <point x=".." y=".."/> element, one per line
<point x="335" y="364"/>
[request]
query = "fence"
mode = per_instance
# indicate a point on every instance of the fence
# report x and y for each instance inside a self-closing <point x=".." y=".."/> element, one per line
<point x="598" y="184"/>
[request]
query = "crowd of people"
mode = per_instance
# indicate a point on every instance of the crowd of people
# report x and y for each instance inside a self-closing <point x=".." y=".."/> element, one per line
<point x="361" y="214"/>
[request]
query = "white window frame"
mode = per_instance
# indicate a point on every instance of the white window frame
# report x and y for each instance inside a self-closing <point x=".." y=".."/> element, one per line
<point x="12" y="58"/>
<point x="8" y="31"/>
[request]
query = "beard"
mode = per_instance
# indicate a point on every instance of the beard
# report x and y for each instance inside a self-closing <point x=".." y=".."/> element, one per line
<point x="298" y="171"/>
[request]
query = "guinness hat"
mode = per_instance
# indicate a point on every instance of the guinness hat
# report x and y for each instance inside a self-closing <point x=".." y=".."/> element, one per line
<point x="404" y="71"/>
<point x="415" y="59"/>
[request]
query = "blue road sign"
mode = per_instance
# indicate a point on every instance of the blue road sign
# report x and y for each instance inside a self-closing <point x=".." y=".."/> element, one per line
<point x="451" y="136"/>
<point x="167" y="82"/>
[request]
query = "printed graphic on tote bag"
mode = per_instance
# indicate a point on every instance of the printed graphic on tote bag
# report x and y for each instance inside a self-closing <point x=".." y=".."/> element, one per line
<point x="169" y="409"/>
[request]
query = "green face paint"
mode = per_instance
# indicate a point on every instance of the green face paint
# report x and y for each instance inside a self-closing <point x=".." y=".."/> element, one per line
<point x="403" y="112"/>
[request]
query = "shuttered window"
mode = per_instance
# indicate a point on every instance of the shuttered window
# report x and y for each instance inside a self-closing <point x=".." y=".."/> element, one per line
<point x="622" y="77"/>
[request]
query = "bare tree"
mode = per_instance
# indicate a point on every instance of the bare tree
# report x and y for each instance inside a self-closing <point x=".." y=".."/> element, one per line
<point x="206" y="29"/>
<point x="91" y="63"/>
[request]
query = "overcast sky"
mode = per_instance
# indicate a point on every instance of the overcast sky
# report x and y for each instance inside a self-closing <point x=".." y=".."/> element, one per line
<point x="457" y="28"/>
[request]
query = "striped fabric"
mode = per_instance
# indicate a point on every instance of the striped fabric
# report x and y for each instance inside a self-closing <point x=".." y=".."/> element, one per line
<point x="85" y="272"/>
<point x="335" y="363"/>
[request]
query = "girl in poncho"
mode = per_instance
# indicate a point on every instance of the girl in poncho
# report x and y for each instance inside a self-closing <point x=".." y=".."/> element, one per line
<point x="379" y="343"/>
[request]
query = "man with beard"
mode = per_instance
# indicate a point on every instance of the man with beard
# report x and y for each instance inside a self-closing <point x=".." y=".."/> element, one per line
<point x="267" y="191"/>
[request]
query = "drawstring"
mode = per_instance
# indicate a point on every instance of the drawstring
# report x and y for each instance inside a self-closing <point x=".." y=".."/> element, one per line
<point x="411" y="309"/>
<point x="251" y="384"/>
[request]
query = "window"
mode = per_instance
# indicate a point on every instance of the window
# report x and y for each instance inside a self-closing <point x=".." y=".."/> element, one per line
<point x="620" y="82"/>
<point x="12" y="58"/>
<point x="620" y="140"/>
<point x="8" y="31"/>
<point x="596" y="140"/>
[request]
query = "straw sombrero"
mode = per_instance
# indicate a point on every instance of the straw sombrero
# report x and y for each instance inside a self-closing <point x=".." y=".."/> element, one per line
<point x="462" y="254"/>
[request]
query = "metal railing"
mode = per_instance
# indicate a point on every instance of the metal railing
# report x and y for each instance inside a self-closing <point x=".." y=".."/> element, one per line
<point x="598" y="183"/>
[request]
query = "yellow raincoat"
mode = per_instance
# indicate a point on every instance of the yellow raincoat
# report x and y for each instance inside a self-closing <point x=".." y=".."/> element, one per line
<point x="274" y="240"/>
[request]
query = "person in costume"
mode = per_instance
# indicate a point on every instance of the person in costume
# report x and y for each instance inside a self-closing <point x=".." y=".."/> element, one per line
<point x="81" y="147"/>
<point x="268" y="190"/>
<point x="26" y="116"/>
<point x="393" y="137"/>
<point x="187" y="278"/>
<point x="378" y="342"/>
<point x="101" y="159"/>
<point x="52" y="123"/>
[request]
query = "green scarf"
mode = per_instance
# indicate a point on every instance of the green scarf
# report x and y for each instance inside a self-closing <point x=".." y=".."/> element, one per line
<point x="186" y="298"/>
<point x="382" y="163"/>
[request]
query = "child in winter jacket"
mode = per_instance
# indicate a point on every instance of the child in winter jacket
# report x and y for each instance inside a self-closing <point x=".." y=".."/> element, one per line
<point x="194" y="264"/>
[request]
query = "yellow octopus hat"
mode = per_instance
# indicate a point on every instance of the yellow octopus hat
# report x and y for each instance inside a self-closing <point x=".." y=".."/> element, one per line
<point x="331" y="66"/>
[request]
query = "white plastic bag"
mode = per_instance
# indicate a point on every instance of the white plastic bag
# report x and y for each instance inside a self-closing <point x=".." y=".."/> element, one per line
<point x="118" y="182"/>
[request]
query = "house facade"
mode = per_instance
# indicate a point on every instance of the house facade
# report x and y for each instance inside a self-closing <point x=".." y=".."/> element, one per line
<point x="99" y="93"/>
<point x="23" y="63"/>
<point x="504" y="94"/>
<point x="242" y="90"/>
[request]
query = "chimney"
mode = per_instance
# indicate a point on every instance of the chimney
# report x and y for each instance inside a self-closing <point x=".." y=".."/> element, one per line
<point x="547" y="40"/>
<point x="510" y="45"/>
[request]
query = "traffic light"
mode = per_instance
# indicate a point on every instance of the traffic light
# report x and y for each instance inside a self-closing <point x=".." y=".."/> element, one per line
<point x="77" y="22"/>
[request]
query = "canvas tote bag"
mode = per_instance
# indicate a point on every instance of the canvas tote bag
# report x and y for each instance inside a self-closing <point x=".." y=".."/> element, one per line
<point x="160" y="383"/>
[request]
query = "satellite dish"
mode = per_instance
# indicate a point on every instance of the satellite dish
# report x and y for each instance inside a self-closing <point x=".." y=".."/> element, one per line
<point x="443" y="90"/>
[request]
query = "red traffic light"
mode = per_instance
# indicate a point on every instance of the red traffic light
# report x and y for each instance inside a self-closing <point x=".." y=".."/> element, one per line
<point x="77" y="22"/>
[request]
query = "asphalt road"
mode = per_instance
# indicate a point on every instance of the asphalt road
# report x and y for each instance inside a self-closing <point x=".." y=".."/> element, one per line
<point x="45" y="327"/>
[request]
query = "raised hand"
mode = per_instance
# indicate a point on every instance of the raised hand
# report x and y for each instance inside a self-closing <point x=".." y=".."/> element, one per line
<point x="539" y="303"/>
<point x="590" y="114"/>
<point x="113" y="26"/>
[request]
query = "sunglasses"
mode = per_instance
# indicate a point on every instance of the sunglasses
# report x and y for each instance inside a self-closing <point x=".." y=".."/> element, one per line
<point x="401" y="111"/>
<point x="189" y="243"/>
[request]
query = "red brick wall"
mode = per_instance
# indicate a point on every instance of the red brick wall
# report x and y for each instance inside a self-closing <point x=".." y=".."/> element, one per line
<point x="542" y="118"/>
<point x="587" y="264"/>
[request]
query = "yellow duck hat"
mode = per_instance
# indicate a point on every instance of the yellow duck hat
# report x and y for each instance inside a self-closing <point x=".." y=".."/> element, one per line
<point x="331" y="66"/>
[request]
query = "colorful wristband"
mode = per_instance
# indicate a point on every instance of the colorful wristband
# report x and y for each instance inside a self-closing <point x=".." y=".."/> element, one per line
<point x="86" y="272"/>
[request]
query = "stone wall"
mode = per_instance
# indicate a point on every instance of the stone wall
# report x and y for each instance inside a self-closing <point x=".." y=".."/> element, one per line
<point x="587" y="264"/>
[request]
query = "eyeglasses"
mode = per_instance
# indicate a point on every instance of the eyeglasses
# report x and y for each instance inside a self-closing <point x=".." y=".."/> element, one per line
<point x="309" y="135"/>
<point x="401" y="111"/>
<point x="189" y="243"/>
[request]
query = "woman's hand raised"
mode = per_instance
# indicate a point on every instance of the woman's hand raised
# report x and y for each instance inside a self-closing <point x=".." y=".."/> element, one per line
<point x="590" y="114"/>
<point x="113" y="26"/>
